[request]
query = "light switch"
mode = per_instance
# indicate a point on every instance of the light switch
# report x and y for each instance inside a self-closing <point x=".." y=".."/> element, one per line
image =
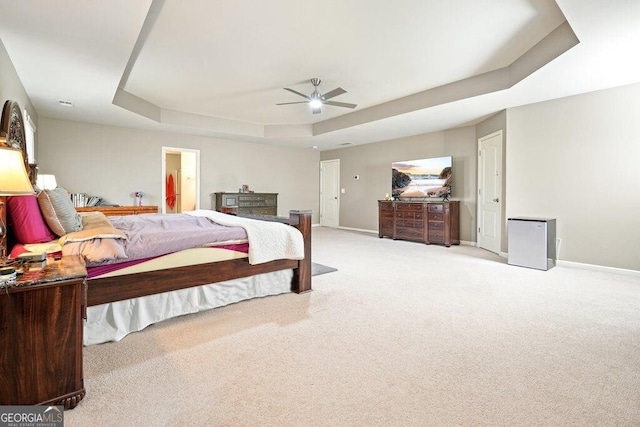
<point x="343" y="190"/>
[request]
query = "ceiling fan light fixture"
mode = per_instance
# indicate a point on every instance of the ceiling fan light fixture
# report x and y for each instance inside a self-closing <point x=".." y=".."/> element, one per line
<point x="316" y="100"/>
<point x="315" y="103"/>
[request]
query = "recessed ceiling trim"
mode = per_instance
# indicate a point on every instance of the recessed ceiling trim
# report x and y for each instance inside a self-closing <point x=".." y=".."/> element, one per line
<point x="136" y="105"/>
<point x="147" y="26"/>
<point x="550" y="47"/>
<point x="202" y="122"/>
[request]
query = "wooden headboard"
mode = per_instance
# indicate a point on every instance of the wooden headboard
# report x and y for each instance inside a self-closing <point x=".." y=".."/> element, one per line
<point x="12" y="134"/>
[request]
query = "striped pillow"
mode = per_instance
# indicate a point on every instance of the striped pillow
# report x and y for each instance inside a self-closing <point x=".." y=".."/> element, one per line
<point x="58" y="211"/>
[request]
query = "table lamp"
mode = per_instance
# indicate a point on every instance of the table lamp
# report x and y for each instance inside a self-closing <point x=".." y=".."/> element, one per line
<point x="14" y="181"/>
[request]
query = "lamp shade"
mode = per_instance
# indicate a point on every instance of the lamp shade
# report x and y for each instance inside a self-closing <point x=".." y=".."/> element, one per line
<point x="14" y="180"/>
<point x="46" y="182"/>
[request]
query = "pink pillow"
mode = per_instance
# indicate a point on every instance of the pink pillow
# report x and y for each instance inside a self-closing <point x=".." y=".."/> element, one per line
<point x="26" y="220"/>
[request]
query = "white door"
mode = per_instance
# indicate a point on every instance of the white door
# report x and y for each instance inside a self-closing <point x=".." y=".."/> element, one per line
<point x="490" y="192"/>
<point x="330" y="193"/>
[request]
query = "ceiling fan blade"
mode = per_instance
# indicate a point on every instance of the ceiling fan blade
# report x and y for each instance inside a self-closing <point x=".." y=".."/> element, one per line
<point x="333" y="93"/>
<point x="340" y="104"/>
<point x="316" y="110"/>
<point x="289" y="103"/>
<point x="296" y="92"/>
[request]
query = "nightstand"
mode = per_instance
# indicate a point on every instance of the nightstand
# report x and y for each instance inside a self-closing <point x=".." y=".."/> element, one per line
<point x="41" y="325"/>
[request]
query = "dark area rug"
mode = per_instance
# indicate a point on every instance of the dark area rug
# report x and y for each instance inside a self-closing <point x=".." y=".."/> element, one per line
<point x="317" y="269"/>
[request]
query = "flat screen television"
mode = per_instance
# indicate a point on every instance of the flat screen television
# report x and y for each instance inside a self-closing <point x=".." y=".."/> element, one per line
<point x="422" y="178"/>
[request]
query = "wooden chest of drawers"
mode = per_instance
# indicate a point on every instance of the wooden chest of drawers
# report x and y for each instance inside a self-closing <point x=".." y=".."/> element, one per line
<point x="428" y="222"/>
<point x="247" y="203"/>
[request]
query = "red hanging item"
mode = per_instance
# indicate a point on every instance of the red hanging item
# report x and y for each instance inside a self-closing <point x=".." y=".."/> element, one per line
<point x="171" y="192"/>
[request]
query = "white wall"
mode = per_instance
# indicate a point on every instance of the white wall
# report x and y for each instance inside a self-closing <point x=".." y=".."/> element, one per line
<point x="577" y="159"/>
<point x="112" y="162"/>
<point x="11" y="87"/>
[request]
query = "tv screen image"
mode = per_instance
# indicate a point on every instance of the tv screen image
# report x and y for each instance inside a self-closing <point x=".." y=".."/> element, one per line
<point x="422" y="178"/>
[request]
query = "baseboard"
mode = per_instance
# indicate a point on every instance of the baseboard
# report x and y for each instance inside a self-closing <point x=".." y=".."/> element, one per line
<point x="600" y="268"/>
<point x="591" y="267"/>
<point x="359" y="229"/>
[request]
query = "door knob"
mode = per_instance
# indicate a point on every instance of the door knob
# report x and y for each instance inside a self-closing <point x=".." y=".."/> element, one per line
<point x="496" y="200"/>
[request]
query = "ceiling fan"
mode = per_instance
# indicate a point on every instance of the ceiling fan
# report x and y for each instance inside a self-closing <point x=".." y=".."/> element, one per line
<point x="316" y="100"/>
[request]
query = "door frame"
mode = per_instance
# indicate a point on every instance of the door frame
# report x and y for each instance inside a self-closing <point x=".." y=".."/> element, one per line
<point x="501" y="210"/>
<point x="337" y="189"/>
<point x="174" y="150"/>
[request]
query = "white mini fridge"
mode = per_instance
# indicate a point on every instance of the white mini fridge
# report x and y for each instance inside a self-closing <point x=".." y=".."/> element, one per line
<point x="532" y="242"/>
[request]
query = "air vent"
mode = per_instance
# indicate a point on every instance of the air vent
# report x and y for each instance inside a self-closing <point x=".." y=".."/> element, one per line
<point x="346" y="143"/>
<point x="65" y="103"/>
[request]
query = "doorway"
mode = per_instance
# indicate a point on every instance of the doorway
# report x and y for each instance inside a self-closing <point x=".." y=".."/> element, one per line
<point x="490" y="192"/>
<point x="330" y="193"/>
<point x="181" y="179"/>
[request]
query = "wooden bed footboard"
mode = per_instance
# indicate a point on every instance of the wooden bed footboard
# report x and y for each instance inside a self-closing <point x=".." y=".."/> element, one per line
<point x="117" y="288"/>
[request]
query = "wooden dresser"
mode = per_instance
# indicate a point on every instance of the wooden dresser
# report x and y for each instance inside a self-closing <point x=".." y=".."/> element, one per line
<point x="41" y="325"/>
<point x="247" y="203"/>
<point x="120" y="210"/>
<point x="428" y="222"/>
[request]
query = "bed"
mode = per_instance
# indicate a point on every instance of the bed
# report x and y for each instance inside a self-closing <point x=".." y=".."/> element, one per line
<point x="192" y="280"/>
<point x="233" y="273"/>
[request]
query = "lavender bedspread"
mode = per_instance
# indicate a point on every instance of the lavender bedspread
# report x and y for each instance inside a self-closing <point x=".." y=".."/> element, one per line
<point x="159" y="234"/>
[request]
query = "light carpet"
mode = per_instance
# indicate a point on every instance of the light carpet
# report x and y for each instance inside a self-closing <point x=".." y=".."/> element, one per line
<point x="403" y="334"/>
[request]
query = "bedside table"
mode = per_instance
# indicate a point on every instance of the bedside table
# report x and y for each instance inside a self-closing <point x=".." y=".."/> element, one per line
<point x="41" y="325"/>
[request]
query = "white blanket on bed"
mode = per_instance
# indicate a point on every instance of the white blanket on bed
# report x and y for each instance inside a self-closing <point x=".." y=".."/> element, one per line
<point x="268" y="241"/>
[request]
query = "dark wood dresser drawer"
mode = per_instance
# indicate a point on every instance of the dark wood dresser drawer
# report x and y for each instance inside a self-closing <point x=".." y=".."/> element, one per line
<point x="436" y="225"/>
<point x="409" y="215"/>
<point x="410" y="233"/>
<point x="435" y="207"/>
<point x="436" y="236"/>
<point x="385" y="207"/>
<point x="409" y="207"/>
